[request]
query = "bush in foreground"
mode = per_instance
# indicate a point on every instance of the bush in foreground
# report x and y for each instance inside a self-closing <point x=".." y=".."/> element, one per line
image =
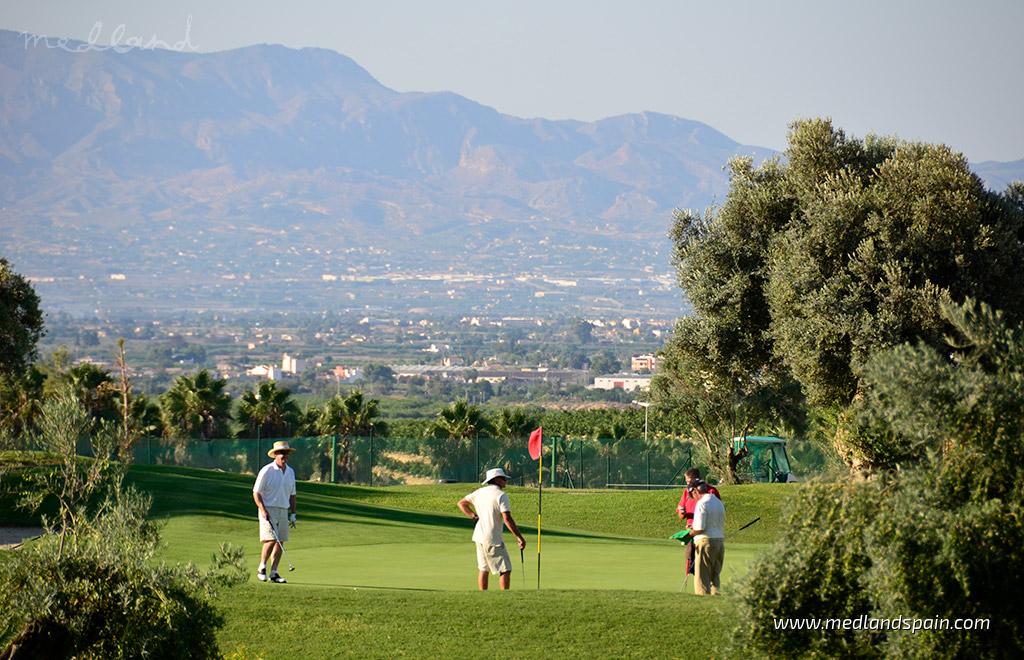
<point x="89" y="586"/>
<point x="939" y="538"/>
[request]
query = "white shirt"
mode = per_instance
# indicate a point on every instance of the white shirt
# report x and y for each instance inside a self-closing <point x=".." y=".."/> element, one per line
<point x="709" y="515"/>
<point x="489" y="503"/>
<point x="275" y="485"/>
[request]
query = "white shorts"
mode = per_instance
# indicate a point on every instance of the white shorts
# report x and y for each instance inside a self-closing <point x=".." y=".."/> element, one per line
<point x="278" y="516"/>
<point x="493" y="558"/>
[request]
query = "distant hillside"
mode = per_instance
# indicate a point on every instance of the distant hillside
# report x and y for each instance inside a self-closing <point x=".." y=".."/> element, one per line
<point x="274" y="177"/>
<point x="998" y="175"/>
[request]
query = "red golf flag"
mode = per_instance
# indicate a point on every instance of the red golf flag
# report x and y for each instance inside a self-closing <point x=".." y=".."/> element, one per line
<point x="535" y="443"/>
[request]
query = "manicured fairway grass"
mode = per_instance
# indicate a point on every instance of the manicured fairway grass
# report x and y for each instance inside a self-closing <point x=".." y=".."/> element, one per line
<point x="386" y="572"/>
<point x="318" y="622"/>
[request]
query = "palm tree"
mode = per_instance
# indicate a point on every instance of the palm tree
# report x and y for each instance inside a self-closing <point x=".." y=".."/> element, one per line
<point x="348" y="417"/>
<point x="449" y="434"/>
<point x="459" y="421"/>
<point x="145" y="415"/>
<point x="514" y="424"/>
<point x="197" y="407"/>
<point x="94" y="388"/>
<point x="513" y="428"/>
<point x="21" y="397"/>
<point x="268" y="412"/>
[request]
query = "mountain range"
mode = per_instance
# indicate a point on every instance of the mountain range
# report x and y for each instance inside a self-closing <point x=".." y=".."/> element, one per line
<point x="270" y="177"/>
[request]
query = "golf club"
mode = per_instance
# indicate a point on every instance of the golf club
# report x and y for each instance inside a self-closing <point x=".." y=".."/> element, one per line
<point x="522" y="565"/>
<point x="749" y="524"/>
<point x="277" y="538"/>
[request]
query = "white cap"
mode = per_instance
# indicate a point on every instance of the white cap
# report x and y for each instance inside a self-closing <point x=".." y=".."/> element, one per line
<point x="492" y="473"/>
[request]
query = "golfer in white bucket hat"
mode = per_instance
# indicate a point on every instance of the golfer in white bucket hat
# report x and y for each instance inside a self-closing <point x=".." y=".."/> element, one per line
<point x="490" y="508"/>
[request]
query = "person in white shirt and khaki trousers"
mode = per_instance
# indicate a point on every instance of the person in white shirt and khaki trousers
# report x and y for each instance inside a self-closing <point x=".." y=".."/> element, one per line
<point x="708" y="542"/>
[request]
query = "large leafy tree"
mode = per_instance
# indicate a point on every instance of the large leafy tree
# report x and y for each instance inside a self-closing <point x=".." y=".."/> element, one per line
<point x="349" y="417"/>
<point x="197" y="407"/>
<point x="268" y="412"/>
<point x="884" y="232"/>
<point x="21" y="321"/>
<point x="814" y="264"/>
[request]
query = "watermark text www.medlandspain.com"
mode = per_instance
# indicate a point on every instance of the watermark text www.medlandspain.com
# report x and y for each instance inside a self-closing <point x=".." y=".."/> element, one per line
<point x="865" y="622"/>
<point x="118" y="41"/>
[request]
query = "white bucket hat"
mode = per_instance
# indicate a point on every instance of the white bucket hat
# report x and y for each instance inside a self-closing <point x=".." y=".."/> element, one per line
<point x="492" y="474"/>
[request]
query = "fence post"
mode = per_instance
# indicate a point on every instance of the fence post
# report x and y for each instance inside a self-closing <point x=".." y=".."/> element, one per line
<point x="554" y="459"/>
<point x="334" y="459"/>
<point x="607" y="470"/>
<point x="149" y="449"/>
<point x="648" y="469"/>
<point x="581" y="463"/>
<point x="476" y="442"/>
<point x="371" y="456"/>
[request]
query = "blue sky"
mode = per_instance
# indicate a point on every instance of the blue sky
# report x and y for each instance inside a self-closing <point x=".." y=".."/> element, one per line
<point x="939" y="71"/>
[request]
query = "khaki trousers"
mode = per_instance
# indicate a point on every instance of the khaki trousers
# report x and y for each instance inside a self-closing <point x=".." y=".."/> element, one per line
<point x="709" y="555"/>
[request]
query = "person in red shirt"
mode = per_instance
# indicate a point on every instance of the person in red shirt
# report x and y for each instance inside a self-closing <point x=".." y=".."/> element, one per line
<point x="687" y="504"/>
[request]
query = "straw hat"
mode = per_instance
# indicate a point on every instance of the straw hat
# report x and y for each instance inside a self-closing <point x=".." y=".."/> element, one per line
<point x="280" y="445"/>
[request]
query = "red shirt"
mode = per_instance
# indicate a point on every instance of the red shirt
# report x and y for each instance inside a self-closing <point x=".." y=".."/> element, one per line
<point x="688" y="504"/>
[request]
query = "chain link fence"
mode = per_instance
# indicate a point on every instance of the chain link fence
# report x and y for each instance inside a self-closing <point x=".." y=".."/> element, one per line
<point x="568" y="463"/>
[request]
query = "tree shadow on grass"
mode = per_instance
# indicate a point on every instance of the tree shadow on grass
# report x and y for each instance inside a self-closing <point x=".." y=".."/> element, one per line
<point x="188" y="491"/>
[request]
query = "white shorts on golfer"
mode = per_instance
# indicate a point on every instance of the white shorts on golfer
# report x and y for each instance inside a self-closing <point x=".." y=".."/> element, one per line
<point x="493" y="558"/>
<point x="279" y="516"/>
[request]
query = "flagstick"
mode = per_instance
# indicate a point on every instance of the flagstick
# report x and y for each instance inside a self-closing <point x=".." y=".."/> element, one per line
<point x="540" y="501"/>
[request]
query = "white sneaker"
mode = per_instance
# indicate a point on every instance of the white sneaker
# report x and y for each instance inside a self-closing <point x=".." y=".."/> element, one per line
<point x="278" y="579"/>
<point x="261" y="575"/>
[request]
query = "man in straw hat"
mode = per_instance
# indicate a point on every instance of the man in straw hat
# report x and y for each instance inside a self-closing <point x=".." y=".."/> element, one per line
<point x="274" y="493"/>
<point x="489" y="507"/>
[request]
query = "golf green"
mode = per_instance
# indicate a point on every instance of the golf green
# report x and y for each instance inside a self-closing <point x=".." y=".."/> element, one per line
<point x="357" y="553"/>
<point x="341" y="542"/>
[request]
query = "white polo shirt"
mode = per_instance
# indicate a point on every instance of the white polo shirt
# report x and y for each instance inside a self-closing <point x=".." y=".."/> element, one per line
<point x="275" y="485"/>
<point x="489" y="503"/>
<point x="709" y="515"/>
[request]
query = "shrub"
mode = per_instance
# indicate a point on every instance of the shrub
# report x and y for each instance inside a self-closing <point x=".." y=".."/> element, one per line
<point x="816" y="569"/>
<point x="100" y="596"/>
<point x="940" y="535"/>
<point x="89" y="586"/>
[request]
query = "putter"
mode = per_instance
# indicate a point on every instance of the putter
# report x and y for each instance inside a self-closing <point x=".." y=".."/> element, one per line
<point x="277" y="538"/>
<point x="522" y="565"/>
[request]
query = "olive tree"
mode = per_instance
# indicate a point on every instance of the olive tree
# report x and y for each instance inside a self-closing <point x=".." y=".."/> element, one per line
<point x="21" y="321"/>
<point x="816" y="262"/>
